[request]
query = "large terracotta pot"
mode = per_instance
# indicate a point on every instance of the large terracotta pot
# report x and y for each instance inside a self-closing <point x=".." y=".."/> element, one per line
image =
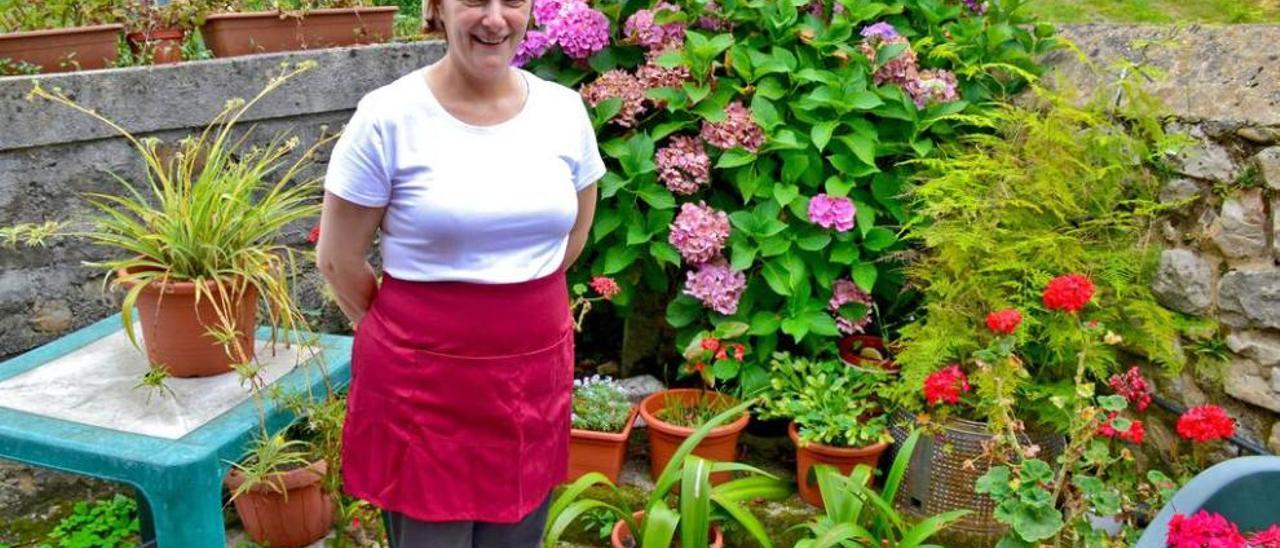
<point x="843" y="458"/>
<point x="603" y="452"/>
<point x="175" y="328"/>
<point x="231" y="34"/>
<point x="165" y="45"/>
<point x="851" y="345"/>
<point x="664" y="438"/>
<point x="61" y="50"/>
<point x="300" y="516"/>
<point x="621" y="536"/>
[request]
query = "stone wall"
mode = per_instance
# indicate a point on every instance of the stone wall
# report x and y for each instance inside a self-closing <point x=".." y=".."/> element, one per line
<point x="1222" y="256"/>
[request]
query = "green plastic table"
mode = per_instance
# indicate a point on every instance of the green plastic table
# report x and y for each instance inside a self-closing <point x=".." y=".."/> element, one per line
<point x="180" y="480"/>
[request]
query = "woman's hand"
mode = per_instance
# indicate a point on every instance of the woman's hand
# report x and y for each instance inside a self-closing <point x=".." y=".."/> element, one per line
<point x="581" y="227"/>
<point x="346" y="233"/>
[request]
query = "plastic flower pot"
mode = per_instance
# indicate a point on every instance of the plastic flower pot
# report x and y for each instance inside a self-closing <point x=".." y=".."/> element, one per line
<point x="621" y="536"/>
<point x="175" y="328"/>
<point x="61" y="50"/>
<point x="298" y="516"/>
<point x="604" y="452"/>
<point x="843" y="458"/>
<point x="851" y="352"/>
<point x="231" y="34"/>
<point x="664" y="438"/>
<point x="165" y="45"/>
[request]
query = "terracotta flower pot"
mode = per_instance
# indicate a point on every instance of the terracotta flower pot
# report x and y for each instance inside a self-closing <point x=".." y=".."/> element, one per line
<point x="664" y="438"/>
<point x="603" y="452"/>
<point x="843" y="458"/>
<point x="165" y="45"/>
<point x="849" y="352"/>
<point x="61" y="50"/>
<point x="231" y="34"/>
<point x="175" y="328"/>
<point x="621" y="536"/>
<point x="300" y="516"/>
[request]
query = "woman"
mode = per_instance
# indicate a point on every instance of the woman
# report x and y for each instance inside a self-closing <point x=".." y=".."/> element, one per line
<point x="481" y="178"/>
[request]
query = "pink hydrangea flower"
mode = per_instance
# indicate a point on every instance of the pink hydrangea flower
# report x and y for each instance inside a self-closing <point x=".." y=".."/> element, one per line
<point x="832" y="212"/>
<point x="711" y="20"/>
<point x="683" y="165"/>
<point x="535" y="44"/>
<point x="739" y="129"/>
<point x="605" y="286"/>
<point x="580" y="30"/>
<point x="716" y="285"/>
<point x="933" y="86"/>
<point x="653" y="75"/>
<point x="844" y="292"/>
<point x="699" y="232"/>
<point x="621" y="84"/>
<point x="547" y="11"/>
<point x="640" y="29"/>
<point x="976" y="6"/>
<point x="899" y="70"/>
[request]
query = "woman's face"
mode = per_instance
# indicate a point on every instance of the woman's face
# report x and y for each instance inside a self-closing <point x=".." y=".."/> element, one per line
<point x="483" y="34"/>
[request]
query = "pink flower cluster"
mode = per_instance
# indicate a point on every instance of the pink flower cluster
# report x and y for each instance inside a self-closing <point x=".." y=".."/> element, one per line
<point x="711" y="20"/>
<point x="1132" y="386"/>
<point x="716" y="285"/>
<point x="699" y="232"/>
<point x="606" y="287"/>
<point x="844" y="292"/>
<point x="976" y="6"/>
<point x="577" y="28"/>
<point x="623" y="85"/>
<point x="933" y="86"/>
<point x="738" y="129"/>
<point x="640" y="29"/>
<point x="535" y="45"/>
<point x="683" y="165"/>
<point x="924" y="86"/>
<point x="832" y="212"/>
<point x="1203" y="529"/>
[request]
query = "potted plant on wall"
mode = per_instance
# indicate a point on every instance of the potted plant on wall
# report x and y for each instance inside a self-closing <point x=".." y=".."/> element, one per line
<point x="242" y="27"/>
<point x="602" y="419"/>
<point x="155" y="32"/>
<point x="58" y="36"/>
<point x="837" y="416"/>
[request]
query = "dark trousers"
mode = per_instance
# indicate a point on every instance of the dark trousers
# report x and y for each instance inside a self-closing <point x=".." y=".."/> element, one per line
<point x="406" y="532"/>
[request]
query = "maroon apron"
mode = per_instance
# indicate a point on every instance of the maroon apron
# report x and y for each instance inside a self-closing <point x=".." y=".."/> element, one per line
<point x="460" y="399"/>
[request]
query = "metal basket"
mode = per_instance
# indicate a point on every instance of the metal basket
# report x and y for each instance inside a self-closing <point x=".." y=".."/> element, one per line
<point x="937" y="480"/>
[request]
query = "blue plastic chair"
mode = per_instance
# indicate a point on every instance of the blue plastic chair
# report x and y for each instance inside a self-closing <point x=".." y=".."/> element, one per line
<point x="1245" y="490"/>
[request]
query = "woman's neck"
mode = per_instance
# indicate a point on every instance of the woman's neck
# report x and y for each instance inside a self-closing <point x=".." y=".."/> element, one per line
<point x="451" y="80"/>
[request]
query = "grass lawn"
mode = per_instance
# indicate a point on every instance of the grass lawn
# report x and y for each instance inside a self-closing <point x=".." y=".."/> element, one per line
<point x="1157" y="11"/>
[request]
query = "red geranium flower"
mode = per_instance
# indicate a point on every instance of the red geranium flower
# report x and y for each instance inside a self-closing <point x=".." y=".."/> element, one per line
<point x="1134" y="434"/>
<point x="1204" y="529"/>
<point x="1004" y="321"/>
<point x="1133" y="387"/>
<point x="1068" y="293"/>
<point x="738" y="352"/>
<point x="605" y="286"/>
<point x="945" y="385"/>
<point x="710" y="343"/>
<point x="314" y="235"/>
<point x="1205" y="423"/>
<point x="1268" y="538"/>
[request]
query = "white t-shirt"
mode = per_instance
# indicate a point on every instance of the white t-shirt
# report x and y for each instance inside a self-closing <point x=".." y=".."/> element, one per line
<point x="483" y="204"/>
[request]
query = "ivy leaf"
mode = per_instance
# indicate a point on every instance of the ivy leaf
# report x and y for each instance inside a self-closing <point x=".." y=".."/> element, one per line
<point x="821" y="133"/>
<point x="877" y="239"/>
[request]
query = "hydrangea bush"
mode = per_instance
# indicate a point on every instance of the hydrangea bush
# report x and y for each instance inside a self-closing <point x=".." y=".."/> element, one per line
<point x="758" y="149"/>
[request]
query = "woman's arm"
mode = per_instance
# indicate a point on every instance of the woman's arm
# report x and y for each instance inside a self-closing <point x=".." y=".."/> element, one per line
<point x="346" y="232"/>
<point x="581" y="227"/>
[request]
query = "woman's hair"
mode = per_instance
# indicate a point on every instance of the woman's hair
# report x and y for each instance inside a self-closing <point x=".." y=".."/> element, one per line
<point x="431" y="16"/>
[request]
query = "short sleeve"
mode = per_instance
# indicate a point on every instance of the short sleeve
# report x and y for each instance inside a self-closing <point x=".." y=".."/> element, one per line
<point x="590" y="166"/>
<point x="358" y="169"/>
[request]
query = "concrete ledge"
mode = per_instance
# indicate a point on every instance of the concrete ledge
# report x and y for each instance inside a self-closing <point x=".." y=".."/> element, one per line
<point x="187" y="95"/>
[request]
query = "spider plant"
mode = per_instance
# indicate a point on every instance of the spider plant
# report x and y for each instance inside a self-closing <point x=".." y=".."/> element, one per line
<point x="697" y="503"/>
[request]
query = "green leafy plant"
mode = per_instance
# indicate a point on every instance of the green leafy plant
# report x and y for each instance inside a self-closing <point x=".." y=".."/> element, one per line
<point x="105" y="523"/>
<point x="831" y="403"/>
<point x="144" y="15"/>
<point x="600" y="405"/>
<point x="856" y="515"/>
<point x="286" y="6"/>
<point x="696" y="506"/>
<point x="19" y="15"/>
<point x="713" y="359"/>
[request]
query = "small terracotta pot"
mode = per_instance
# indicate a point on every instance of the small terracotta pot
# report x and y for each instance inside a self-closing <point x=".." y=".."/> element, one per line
<point x="165" y="45"/>
<point x="79" y="47"/>
<point x="175" y="328"/>
<point x="621" y="536"/>
<point x="664" y="438"/>
<point x="300" y="516"/>
<point x="843" y="458"/>
<point x="231" y="34"/>
<point x="850" y="356"/>
<point x="603" y="452"/>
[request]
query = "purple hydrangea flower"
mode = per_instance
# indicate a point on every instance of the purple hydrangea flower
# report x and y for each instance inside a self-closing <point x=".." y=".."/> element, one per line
<point x="976" y="6"/>
<point x="640" y="29"/>
<point x="716" y="285"/>
<point x="683" y="165"/>
<point x="844" y="292"/>
<point x="879" y="32"/>
<point x="711" y="20"/>
<point x="933" y="86"/>
<point x="580" y="30"/>
<point x="738" y="129"/>
<point x="547" y="11"/>
<point x="699" y="232"/>
<point x="900" y="69"/>
<point x="832" y="212"/>
<point x="534" y="45"/>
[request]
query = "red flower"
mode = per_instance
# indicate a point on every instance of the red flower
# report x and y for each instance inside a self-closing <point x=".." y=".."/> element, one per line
<point x="1204" y="423"/>
<point x="355" y="522"/>
<point x="710" y="343"/>
<point x="314" y="235"/>
<point x="1134" y="434"/>
<point x="605" y="286"/>
<point x="1133" y="387"/>
<point x="1268" y="538"/>
<point x="739" y="351"/>
<point x="945" y="385"/>
<point x="1204" y="529"/>
<point x="1004" y="321"/>
<point x="1068" y="293"/>
<point x="722" y="353"/>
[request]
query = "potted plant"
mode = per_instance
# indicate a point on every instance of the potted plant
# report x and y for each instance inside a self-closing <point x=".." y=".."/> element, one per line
<point x="278" y="490"/>
<point x="602" y="420"/>
<point x="58" y="36"/>
<point x="242" y="27"/>
<point x="697" y="504"/>
<point x="197" y="254"/>
<point x="673" y="415"/>
<point x="155" y="32"/>
<point x="837" y="417"/>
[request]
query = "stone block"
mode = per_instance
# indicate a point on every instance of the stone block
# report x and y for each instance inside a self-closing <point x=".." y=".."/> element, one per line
<point x="1250" y="298"/>
<point x="1267" y="162"/>
<point x="1246" y="382"/>
<point x="51" y="317"/>
<point x="638" y="388"/>
<point x="1207" y="160"/>
<point x="1179" y="189"/>
<point x="1184" y="281"/>
<point x="1240" y="231"/>
<point x="1259" y="135"/>
<point x="1260" y="346"/>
